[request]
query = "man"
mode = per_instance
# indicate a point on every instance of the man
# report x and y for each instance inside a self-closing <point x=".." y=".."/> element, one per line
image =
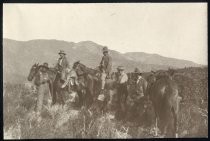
<point x="62" y="65"/>
<point x="44" y="78"/>
<point x="43" y="87"/>
<point x="141" y="84"/>
<point x="106" y="67"/>
<point x="140" y="89"/>
<point x="121" y="91"/>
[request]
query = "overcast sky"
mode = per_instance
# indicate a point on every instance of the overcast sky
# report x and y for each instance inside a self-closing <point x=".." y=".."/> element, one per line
<point x="171" y="30"/>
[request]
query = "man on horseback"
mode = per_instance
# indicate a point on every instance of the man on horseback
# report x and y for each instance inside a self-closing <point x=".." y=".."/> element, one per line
<point x="106" y="67"/>
<point x="62" y="65"/>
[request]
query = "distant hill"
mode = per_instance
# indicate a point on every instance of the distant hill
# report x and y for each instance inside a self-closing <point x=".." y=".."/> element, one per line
<point x="146" y="58"/>
<point x="19" y="56"/>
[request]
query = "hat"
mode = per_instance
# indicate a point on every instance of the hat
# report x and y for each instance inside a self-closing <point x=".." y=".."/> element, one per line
<point x="137" y="71"/>
<point x="62" y="52"/>
<point x="120" y="68"/>
<point x="45" y="65"/>
<point x="105" y="49"/>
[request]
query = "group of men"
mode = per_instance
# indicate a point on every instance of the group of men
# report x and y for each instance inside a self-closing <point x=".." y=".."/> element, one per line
<point x="63" y="67"/>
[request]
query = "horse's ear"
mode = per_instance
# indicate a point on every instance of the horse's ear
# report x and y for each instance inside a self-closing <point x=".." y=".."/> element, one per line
<point x="153" y="72"/>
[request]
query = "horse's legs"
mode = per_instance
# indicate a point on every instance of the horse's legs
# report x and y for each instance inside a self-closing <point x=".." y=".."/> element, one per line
<point x="156" y="126"/>
<point x="175" y="116"/>
<point x="40" y="98"/>
<point x="54" y="93"/>
<point x="156" y="120"/>
<point x="61" y="95"/>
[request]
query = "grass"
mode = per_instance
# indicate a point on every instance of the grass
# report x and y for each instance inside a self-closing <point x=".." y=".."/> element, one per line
<point x="20" y="122"/>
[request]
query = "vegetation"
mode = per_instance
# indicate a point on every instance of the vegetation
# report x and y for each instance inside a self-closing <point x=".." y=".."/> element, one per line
<point x="21" y="122"/>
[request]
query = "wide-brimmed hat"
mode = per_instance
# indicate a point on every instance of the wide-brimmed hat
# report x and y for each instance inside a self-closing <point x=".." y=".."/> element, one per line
<point x="45" y="65"/>
<point x="120" y="68"/>
<point x="137" y="71"/>
<point x="62" y="52"/>
<point x="105" y="49"/>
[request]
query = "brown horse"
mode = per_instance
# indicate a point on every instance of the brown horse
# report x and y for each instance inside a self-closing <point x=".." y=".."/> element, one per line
<point x="91" y="79"/>
<point x="88" y="78"/>
<point x="163" y="92"/>
<point x="54" y="83"/>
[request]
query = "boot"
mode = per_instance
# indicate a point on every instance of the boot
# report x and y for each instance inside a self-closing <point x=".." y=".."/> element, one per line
<point x="102" y="91"/>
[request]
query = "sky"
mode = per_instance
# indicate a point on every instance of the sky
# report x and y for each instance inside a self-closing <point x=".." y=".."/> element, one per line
<point x="177" y="30"/>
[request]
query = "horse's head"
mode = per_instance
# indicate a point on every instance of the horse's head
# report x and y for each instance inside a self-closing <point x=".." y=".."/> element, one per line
<point x="78" y="67"/>
<point x="153" y="76"/>
<point x="165" y="75"/>
<point x="34" y="69"/>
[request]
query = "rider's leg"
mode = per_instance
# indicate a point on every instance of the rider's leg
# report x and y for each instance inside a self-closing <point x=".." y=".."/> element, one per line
<point x="66" y="82"/>
<point x="63" y="75"/>
<point x="103" y="80"/>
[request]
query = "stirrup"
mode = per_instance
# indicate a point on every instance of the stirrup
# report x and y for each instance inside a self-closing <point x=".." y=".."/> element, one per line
<point x="102" y="91"/>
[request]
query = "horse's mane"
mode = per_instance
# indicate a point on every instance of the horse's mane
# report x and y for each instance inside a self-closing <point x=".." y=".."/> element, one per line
<point x="52" y="70"/>
<point x="88" y="70"/>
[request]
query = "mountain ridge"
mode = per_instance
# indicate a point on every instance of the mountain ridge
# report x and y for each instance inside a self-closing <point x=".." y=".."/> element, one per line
<point x="19" y="56"/>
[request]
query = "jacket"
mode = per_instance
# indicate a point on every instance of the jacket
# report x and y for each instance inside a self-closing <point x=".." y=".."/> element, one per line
<point x="62" y="64"/>
<point x="141" y="86"/>
<point x="106" y="63"/>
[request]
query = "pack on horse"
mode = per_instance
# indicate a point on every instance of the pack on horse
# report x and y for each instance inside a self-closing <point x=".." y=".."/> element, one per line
<point x="163" y="92"/>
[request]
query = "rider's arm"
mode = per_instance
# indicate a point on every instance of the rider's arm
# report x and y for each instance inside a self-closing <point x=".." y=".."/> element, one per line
<point x="102" y="61"/>
<point x="67" y="64"/>
<point x="109" y="64"/>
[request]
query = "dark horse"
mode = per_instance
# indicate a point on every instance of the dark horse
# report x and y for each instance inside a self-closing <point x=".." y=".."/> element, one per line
<point x="89" y="80"/>
<point x="163" y="92"/>
<point x="54" y="83"/>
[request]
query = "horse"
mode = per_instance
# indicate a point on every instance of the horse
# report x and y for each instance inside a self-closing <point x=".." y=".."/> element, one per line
<point x="163" y="92"/>
<point x="54" y="84"/>
<point x="87" y="77"/>
<point x="91" y="78"/>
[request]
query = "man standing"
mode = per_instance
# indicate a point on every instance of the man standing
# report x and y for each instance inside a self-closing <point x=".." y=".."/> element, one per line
<point x="106" y="67"/>
<point x="141" y="84"/>
<point x="122" y="92"/>
<point x="140" y="89"/>
<point x="62" y="65"/>
<point x="42" y="88"/>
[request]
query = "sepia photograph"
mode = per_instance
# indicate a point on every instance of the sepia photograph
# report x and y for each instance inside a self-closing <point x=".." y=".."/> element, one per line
<point x="105" y="70"/>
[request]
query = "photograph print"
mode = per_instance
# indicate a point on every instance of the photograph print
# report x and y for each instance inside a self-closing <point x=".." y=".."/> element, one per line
<point x="105" y="70"/>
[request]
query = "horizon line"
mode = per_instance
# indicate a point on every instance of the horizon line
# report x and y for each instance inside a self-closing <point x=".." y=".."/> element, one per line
<point x="109" y="49"/>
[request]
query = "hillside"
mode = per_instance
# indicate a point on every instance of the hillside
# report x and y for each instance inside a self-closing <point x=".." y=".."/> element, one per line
<point x="19" y="56"/>
<point x="146" y="58"/>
